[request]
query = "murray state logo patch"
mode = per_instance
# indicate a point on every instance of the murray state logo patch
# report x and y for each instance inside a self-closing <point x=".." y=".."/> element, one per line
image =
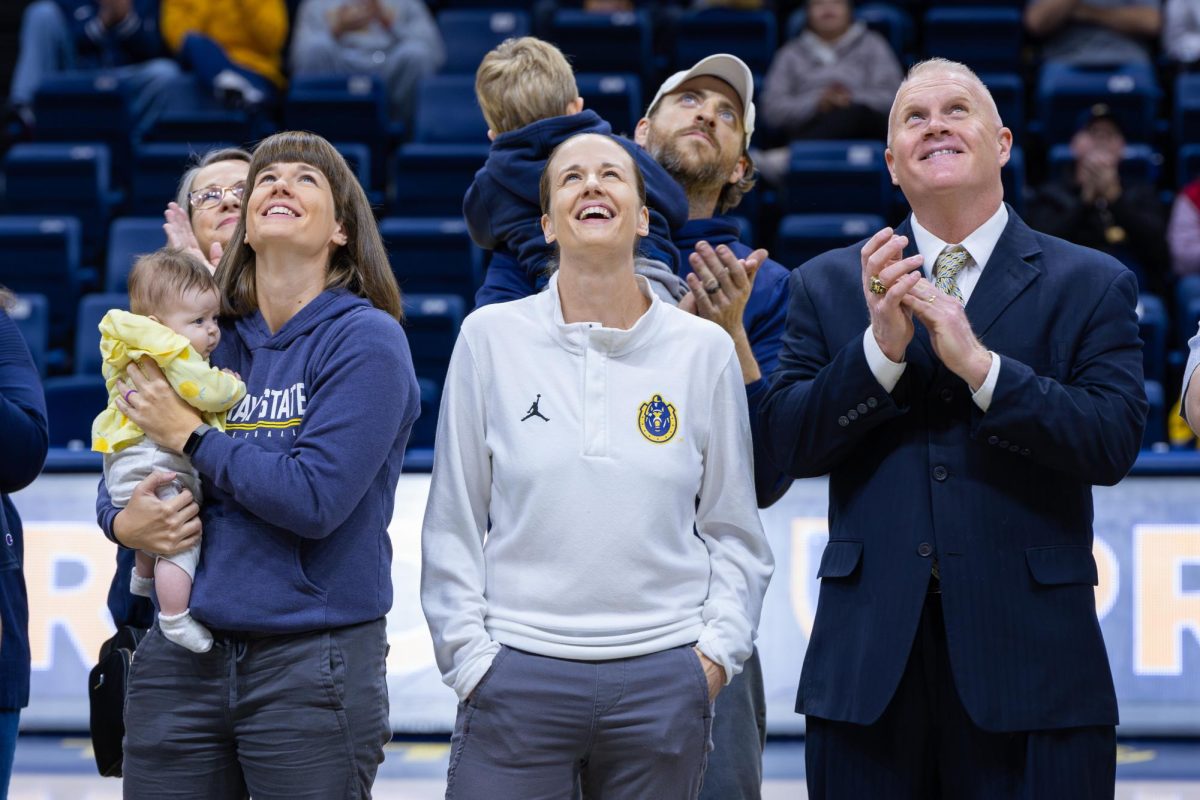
<point x="657" y="420"/>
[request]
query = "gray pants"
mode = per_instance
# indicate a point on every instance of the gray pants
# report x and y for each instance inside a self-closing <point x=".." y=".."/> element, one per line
<point x="125" y="469"/>
<point x="739" y="736"/>
<point x="301" y="717"/>
<point x="537" y="728"/>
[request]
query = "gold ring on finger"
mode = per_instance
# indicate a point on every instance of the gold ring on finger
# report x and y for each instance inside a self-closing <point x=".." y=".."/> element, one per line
<point x="877" y="286"/>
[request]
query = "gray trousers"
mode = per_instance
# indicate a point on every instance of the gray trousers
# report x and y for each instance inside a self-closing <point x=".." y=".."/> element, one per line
<point x="538" y="728"/>
<point x="125" y="469"/>
<point x="739" y="735"/>
<point x="293" y="717"/>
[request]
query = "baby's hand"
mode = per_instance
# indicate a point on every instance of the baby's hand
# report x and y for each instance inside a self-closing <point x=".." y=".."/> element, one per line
<point x="228" y="371"/>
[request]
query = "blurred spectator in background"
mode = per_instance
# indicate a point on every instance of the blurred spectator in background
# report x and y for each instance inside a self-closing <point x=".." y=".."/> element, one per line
<point x="23" y="429"/>
<point x="1181" y="31"/>
<point x="1183" y="231"/>
<point x="234" y="46"/>
<point x="120" y="36"/>
<point x="1096" y="31"/>
<point x="1190" y="402"/>
<point x="394" y="39"/>
<point x="1093" y="205"/>
<point x="836" y="80"/>
<point x="208" y="204"/>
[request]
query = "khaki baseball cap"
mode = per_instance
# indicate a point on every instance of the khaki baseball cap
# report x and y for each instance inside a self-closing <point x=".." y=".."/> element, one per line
<point x="728" y="68"/>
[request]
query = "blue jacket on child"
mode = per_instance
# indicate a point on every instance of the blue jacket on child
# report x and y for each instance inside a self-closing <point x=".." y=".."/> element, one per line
<point x="503" y="210"/>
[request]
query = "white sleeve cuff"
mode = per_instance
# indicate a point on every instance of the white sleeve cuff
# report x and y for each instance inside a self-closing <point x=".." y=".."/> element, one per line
<point x="983" y="396"/>
<point x="886" y="371"/>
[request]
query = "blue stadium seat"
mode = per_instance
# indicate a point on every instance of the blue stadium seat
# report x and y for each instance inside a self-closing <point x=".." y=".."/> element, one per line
<point x="1156" y="419"/>
<point x="431" y="179"/>
<point x="1186" y="115"/>
<point x="203" y="125"/>
<point x="92" y="309"/>
<point x="1008" y="90"/>
<point x="431" y="323"/>
<point x="616" y="98"/>
<point x="891" y="21"/>
<point x="1187" y="164"/>
<point x="1187" y="307"/>
<point x="343" y="108"/>
<point x="85" y="106"/>
<point x="447" y="112"/>
<point x="71" y="404"/>
<point x="433" y="256"/>
<point x="618" y="42"/>
<point x="804" y="236"/>
<point x="1139" y="163"/>
<point x="984" y="38"/>
<point x="1065" y="92"/>
<point x="157" y="168"/>
<point x="471" y="33"/>
<point x="425" y="428"/>
<point x="1012" y="177"/>
<point x="128" y="238"/>
<point x="64" y="180"/>
<point x="31" y="313"/>
<point x="1152" y="327"/>
<point x="40" y="255"/>
<point x="358" y="159"/>
<point x="752" y="36"/>
<point x="837" y="177"/>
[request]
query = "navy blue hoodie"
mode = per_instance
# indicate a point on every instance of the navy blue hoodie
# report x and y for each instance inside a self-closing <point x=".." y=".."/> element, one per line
<point x="23" y="422"/>
<point x="504" y="213"/>
<point x="300" y="492"/>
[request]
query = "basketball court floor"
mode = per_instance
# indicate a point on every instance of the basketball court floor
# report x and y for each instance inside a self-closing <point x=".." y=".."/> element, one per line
<point x="57" y="768"/>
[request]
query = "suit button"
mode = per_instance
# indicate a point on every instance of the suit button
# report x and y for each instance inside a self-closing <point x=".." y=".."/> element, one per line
<point x="993" y="439"/>
<point x="1012" y="448"/>
<point x="843" y="421"/>
<point x="872" y="402"/>
<point x="924" y="549"/>
<point x="940" y="473"/>
<point x="862" y="408"/>
<point x="1025" y="451"/>
<point x="852" y="414"/>
<point x="947" y="395"/>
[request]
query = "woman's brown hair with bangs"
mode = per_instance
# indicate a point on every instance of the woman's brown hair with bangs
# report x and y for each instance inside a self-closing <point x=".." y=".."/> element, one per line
<point x="361" y="265"/>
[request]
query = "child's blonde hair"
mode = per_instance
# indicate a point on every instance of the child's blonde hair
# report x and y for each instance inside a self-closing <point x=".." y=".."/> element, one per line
<point x="522" y="81"/>
<point x="163" y="276"/>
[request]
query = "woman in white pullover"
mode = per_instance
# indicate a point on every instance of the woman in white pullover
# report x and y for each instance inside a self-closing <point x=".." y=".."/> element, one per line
<point x="604" y="436"/>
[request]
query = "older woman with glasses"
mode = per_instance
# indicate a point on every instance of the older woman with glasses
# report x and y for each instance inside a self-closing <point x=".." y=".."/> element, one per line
<point x="203" y="216"/>
<point x="295" y="574"/>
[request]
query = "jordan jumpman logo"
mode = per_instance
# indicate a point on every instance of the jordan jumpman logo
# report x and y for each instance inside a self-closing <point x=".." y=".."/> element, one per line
<point x="533" y="411"/>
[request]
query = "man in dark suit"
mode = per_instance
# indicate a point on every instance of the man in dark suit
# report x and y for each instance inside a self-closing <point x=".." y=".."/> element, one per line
<point x="964" y="381"/>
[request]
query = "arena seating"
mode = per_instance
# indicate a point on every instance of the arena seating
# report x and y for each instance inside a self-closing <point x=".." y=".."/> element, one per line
<point x="470" y="33"/>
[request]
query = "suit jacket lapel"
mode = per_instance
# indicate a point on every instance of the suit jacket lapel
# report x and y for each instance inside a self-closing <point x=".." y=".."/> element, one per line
<point x="1007" y="273"/>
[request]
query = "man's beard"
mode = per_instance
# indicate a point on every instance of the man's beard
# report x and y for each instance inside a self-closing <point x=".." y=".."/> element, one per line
<point x="695" y="173"/>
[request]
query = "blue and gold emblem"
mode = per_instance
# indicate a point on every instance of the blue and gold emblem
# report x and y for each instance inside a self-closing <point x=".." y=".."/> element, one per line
<point x="657" y="420"/>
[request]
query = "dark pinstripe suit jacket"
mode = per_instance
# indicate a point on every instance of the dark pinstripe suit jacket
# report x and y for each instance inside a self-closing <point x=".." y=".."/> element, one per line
<point x="1003" y="499"/>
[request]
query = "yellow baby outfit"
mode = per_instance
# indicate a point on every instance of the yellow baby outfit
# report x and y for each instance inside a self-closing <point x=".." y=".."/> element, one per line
<point x="126" y="337"/>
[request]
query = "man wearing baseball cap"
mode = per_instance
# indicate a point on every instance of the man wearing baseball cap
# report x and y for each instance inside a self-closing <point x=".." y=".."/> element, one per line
<point x="698" y="127"/>
<point x="1096" y="206"/>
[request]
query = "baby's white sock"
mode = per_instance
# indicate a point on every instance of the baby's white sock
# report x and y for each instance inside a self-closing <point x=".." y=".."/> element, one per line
<point x="143" y="587"/>
<point x="186" y="632"/>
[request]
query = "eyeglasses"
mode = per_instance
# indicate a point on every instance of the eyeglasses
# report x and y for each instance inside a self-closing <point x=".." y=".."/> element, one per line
<point x="211" y="196"/>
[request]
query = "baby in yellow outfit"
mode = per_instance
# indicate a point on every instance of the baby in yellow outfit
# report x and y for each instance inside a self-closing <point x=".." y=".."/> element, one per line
<point x="174" y="302"/>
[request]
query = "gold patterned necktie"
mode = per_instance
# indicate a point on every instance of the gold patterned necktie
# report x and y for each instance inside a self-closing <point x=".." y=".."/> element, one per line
<point x="949" y="263"/>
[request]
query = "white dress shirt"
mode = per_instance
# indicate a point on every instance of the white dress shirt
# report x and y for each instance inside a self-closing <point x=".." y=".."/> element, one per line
<point x="979" y="245"/>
